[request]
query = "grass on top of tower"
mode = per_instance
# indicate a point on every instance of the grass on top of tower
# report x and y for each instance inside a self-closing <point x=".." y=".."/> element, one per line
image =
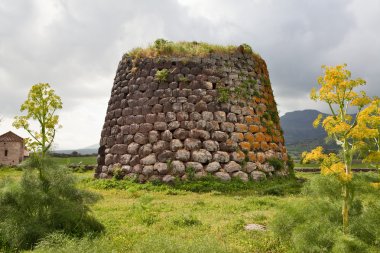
<point x="162" y="47"/>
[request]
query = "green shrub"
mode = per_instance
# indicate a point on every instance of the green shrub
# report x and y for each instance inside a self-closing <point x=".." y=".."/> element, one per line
<point x="290" y="164"/>
<point x="348" y="244"/>
<point x="190" y="172"/>
<point x="41" y="203"/>
<point x="163" y="46"/>
<point x="162" y="75"/>
<point x="247" y="48"/>
<point x="183" y="79"/>
<point x="224" y="94"/>
<point x="366" y="226"/>
<point x="277" y="163"/>
<point x="118" y="173"/>
<point x="313" y="223"/>
<point x="308" y="226"/>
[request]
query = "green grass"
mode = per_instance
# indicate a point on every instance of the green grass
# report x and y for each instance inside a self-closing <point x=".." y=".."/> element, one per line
<point x="163" y="47"/>
<point x="11" y="173"/>
<point x="277" y="187"/>
<point x="85" y="160"/>
<point x="187" y="217"/>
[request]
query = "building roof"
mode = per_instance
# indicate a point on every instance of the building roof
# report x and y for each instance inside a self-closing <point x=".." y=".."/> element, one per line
<point x="10" y="137"/>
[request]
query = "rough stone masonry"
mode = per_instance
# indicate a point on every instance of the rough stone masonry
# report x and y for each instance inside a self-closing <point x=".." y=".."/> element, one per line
<point x="172" y="117"/>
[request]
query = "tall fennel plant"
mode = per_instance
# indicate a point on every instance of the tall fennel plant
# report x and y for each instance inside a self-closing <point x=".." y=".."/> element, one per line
<point x="351" y="132"/>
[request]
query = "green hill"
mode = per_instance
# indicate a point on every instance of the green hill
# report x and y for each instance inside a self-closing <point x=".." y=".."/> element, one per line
<point x="300" y="135"/>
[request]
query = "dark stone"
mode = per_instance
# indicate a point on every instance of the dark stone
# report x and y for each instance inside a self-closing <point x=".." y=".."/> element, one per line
<point x="165" y="156"/>
<point x="119" y="149"/>
<point x="181" y="134"/>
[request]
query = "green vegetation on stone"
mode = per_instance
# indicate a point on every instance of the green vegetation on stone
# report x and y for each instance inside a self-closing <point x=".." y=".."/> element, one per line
<point x="277" y="163"/>
<point x="163" y="47"/>
<point x="244" y="91"/>
<point x="162" y="75"/>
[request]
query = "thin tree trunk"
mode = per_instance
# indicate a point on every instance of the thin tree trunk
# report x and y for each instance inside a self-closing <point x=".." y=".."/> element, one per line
<point x="345" y="209"/>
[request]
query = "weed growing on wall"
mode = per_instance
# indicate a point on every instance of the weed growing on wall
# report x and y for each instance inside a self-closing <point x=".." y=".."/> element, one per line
<point x="162" y="75"/>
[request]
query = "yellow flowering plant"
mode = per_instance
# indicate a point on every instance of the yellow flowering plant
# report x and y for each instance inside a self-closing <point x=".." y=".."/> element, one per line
<point x="353" y="133"/>
<point x="41" y="107"/>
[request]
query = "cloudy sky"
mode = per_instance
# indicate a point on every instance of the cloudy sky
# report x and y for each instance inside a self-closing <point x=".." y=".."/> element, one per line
<point x="75" y="45"/>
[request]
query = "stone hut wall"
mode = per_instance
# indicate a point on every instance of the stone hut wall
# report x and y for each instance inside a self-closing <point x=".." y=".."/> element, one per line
<point x="171" y="117"/>
<point x="11" y="153"/>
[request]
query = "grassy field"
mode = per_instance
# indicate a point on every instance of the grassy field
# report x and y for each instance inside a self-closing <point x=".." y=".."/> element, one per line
<point x="160" y="218"/>
<point x="91" y="160"/>
<point x="355" y="165"/>
<point x="85" y="160"/>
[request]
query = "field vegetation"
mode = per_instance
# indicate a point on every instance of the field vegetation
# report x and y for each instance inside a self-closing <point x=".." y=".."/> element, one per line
<point x="197" y="216"/>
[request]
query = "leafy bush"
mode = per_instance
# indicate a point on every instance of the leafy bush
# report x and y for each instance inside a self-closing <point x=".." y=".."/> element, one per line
<point x="313" y="223"/>
<point x="190" y="172"/>
<point x="290" y="164"/>
<point x="41" y="203"/>
<point x="366" y="227"/>
<point x="162" y="75"/>
<point x="118" y="173"/>
<point x="276" y="163"/>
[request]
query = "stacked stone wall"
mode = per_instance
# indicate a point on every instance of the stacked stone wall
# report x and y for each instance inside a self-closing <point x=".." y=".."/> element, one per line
<point x="171" y="117"/>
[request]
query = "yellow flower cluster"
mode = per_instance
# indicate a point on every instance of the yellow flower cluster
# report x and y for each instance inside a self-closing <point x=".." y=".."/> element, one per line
<point x="339" y="170"/>
<point x="317" y="121"/>
<point x="361" y="101"/>
<point x="368" y="122"/>
<point x="336" y="85"/>
<point x="316" y="155"/>
<point x="334" y="125"/>
<point x="373" y="157"/>
<point x="330" y="164"/>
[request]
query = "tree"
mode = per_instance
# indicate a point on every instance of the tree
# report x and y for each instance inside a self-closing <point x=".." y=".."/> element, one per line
<point x="351" y="133"/>
<point x="41" y="106"/>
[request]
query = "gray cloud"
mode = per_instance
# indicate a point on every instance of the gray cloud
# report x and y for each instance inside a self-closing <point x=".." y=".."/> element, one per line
<point x="76" y="45"/>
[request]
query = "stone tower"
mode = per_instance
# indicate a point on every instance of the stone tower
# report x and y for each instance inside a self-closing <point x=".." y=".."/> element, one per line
<point x="171" y="115"/>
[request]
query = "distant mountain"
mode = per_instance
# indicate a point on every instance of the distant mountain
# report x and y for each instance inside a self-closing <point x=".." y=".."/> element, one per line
<point x="93" y="149"/>
<point x="298" y="125"/>
<point x="93" y="146"/>
<point x="300" y="135"/>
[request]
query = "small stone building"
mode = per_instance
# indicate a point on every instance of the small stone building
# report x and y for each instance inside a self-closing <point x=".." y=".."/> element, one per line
<point x="12" y="149"/>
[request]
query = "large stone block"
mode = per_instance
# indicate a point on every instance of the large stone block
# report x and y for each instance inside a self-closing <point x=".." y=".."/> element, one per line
<point x="201" y="156"/>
